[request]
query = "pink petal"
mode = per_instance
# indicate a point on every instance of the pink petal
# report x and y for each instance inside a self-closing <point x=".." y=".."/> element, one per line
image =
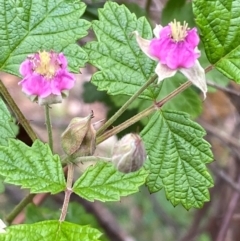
<point x="36" y="85"/>
<point x="180" y="56"/>
<point x="164" y="72"/>
<point x="159" y="48"/>
<point x="63" y="81"/>
<point x="62" y="60"/>
<point x="165" y="32"/>
<point x="196" y="75"/>
<point x="144" y="45"/>
<point x="192" y="38"/>
<point x="26" y="68"/>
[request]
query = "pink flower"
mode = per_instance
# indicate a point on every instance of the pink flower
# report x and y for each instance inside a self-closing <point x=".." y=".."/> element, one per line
<point x="175" y="48"/>
<point x="46" y="77"/>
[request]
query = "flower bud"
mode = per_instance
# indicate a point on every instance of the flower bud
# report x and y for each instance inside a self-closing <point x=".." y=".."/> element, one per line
<point x="79" y="139"/>
<point x="129" y="153"/>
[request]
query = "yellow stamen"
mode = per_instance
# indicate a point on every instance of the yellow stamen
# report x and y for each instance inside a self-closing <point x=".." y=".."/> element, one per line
<point x="179" y="32"/>
<point x="45" y="66"/>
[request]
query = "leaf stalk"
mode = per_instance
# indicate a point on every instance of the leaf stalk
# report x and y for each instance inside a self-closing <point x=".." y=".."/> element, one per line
<point x="49" y="126"/>
<point x="143" y="114"/>
<point x="68" y="192"/>
<point x="126" y="105"/>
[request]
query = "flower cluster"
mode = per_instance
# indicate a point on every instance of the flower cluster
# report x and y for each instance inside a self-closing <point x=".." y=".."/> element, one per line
<point x="175" y="48"/>
<point x="46" y="77"/>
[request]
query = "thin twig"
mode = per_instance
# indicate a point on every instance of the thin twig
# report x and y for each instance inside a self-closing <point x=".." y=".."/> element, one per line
<point x="220" y="134"/>
<point x="220" y="173"/>
<point x="162" y="214"/>
<point x="148" y="5"/>
<point x="19" y="115"/>
<point x="17" y="209"/>
<point x="126" y="105"/>
<point x="144" y="113"/>
<point x="224" y="89"/>
<point x="196" y="226"/>
<point x="37" y="200"/>
<point x="228" y="215"/>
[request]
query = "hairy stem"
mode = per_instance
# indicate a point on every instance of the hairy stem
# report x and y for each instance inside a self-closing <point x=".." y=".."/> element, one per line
<point x="126" y="105"/>
<point x="49" y="126"/>
<point x="68" y="192"/>
<point x="19" y="115"/>
<point x="11" y="216"/>
<point x="143" y="114"/>
<point x="209" y="68"/>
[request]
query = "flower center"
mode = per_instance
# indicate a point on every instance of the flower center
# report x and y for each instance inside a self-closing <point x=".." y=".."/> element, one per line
<point x="179" y="32"/>
<point x="46" y="65"/>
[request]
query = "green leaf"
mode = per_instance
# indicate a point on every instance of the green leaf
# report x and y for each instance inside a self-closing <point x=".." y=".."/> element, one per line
<point x="28" y="26"/>
<point x="7" y="125"/>
<point x="124" y="68"/>
<point x="103" y="182"/>
<point x="177" y="157"/>
<point x="32" y="167"/>
<point x="76" y="214"/>
<point x="49" y="231"/>
<point x="218" y="22"/>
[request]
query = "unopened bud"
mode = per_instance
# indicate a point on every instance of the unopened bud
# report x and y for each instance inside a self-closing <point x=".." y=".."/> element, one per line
<point x="129" y="153"/>
<point x="79" y="139"/>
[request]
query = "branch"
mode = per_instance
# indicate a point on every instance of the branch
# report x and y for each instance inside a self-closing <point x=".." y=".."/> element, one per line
<point x="195" y="227"/>
<point x="19" y="115"/>
<point x="228" y="215"/>
<point x="223" y="136"/>
<point x="16" y="197"/>
<point x="224" y="176"/>
<point x="165" y="218"/>
<point x="224" y="89"/>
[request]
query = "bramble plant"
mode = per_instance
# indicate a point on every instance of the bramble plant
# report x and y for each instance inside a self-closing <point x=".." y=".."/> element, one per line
<point x="38" y="44"/>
